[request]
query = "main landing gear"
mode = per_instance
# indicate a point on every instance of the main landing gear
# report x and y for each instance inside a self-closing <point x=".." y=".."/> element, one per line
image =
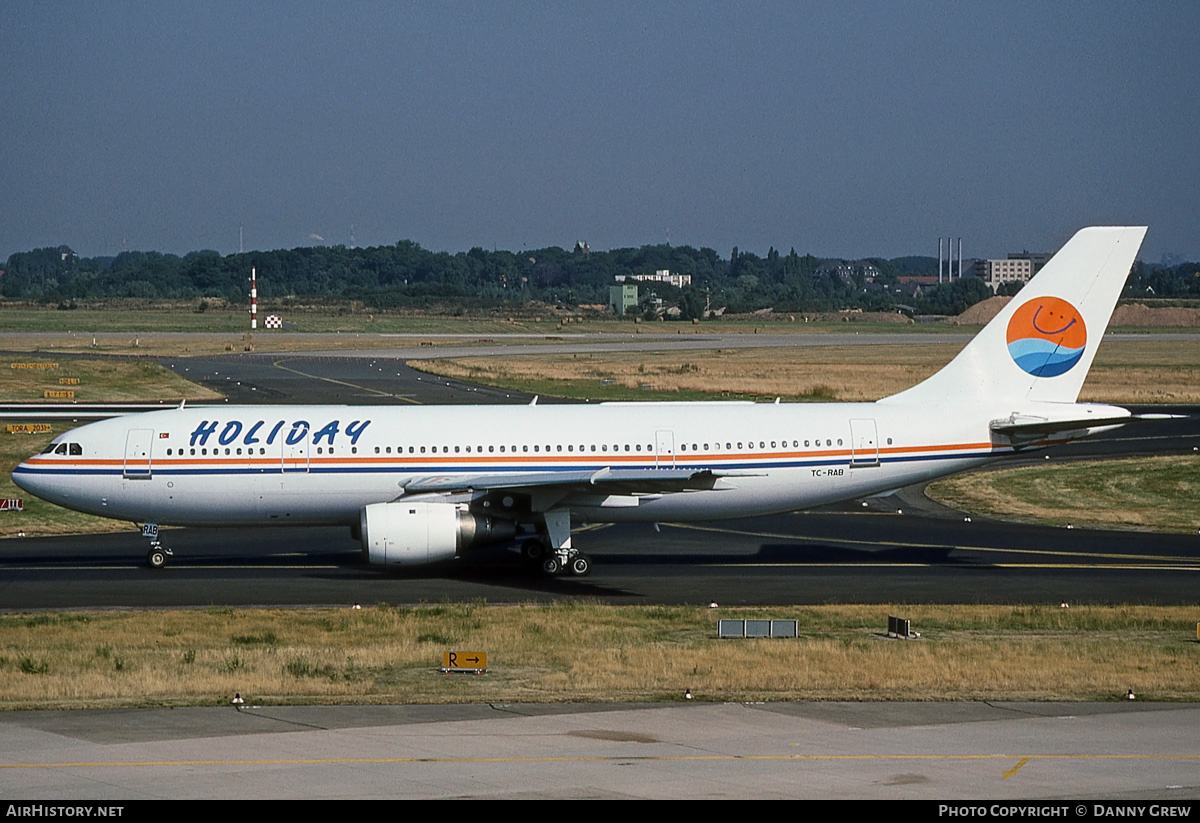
<point x="158" y="554"/>
<point x="555" y="555"/>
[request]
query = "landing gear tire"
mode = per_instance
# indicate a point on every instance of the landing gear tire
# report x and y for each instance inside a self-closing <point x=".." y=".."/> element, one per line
<point x="533" y="550"/>
<point x="157" y="558"/>
<point x="581" y="565"/>
<point x="551" y="566"/>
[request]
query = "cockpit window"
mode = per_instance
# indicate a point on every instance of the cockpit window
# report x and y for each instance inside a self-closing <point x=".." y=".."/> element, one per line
<point x="76" y="448"/>
<point x="50" y="448"/>
<point x="62" y="449"/>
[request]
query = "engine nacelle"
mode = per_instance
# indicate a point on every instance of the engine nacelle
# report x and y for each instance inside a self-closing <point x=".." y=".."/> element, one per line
<point x="417" y="532"/>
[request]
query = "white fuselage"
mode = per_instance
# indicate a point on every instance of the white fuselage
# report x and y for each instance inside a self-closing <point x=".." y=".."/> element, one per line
<point x="323" y="464"/>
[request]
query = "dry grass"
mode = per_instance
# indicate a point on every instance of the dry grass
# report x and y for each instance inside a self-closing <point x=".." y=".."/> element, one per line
<point x="1161" y="493"/>
<point x="100" y="381"/>
<point x="1145" y="371"/>
<point x="596" y="653"/>
<point x="819" y="373"/>
<point x="1124" y="372"/>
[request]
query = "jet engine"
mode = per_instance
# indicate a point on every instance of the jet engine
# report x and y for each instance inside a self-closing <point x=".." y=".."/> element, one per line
<point x="412" y="533"/>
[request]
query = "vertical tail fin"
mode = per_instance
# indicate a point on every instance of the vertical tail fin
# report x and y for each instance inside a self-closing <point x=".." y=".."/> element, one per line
<point x="1042" y="344"/>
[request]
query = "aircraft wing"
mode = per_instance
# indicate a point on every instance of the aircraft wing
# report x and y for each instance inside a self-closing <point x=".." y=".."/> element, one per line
<point x="602" y="481"/>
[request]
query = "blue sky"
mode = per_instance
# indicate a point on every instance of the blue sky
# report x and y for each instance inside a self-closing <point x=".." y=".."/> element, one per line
<point x="842" y="129"/>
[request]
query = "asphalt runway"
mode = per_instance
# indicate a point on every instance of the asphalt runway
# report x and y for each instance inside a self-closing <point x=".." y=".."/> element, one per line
<point x="897" y="549"/>
<point x="805" y="558"/>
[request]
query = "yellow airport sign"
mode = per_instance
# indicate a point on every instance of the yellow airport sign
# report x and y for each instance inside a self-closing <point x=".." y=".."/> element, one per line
<point x="35" y="365"/>
<point x="68" y="381"/>
<point x="58" y="394"/>
<point x="28" y="428"/>
<point x="464" y="661"/>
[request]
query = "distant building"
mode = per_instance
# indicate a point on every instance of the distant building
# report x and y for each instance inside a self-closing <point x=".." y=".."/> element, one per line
<point x="1019" y="268"/>
<point x="1037" y="258"/>
<point x="660" y="276"/>
<point x="581" y="247"/>
<point x="622" y="298"/>
<point x="845" y="270"/>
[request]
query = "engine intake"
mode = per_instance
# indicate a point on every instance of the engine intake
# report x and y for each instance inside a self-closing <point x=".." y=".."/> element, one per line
<point x="413" y="533"/>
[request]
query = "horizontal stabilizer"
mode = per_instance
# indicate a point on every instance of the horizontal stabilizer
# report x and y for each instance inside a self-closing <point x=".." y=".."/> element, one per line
<point x="1025" y="428"/>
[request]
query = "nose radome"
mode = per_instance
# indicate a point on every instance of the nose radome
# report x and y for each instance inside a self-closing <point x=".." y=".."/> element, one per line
<point x="26" y="478"/>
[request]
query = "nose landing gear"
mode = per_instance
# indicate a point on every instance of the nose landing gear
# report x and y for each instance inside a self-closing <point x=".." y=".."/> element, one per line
<point x="156" y="558"/>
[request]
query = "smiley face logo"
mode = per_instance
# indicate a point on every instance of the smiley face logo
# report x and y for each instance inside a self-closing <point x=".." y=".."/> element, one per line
<point x="1046" y="336"/>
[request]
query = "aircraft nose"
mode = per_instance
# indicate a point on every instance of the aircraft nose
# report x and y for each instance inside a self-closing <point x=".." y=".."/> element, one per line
<point x="29" y="479"/>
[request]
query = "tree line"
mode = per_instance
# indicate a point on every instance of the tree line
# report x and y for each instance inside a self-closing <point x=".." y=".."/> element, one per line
<point x="406" y="276"/>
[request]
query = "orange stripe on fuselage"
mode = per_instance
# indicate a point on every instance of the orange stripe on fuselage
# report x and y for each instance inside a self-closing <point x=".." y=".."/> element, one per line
<point x="51" y="461"/>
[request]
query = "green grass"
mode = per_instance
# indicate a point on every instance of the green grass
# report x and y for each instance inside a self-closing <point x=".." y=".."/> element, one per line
<point x="1158" y="493"/>
<point x="346" y="318"/>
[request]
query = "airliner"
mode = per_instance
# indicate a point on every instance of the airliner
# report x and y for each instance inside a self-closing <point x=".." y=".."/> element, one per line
<point x="420" y="485"/>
